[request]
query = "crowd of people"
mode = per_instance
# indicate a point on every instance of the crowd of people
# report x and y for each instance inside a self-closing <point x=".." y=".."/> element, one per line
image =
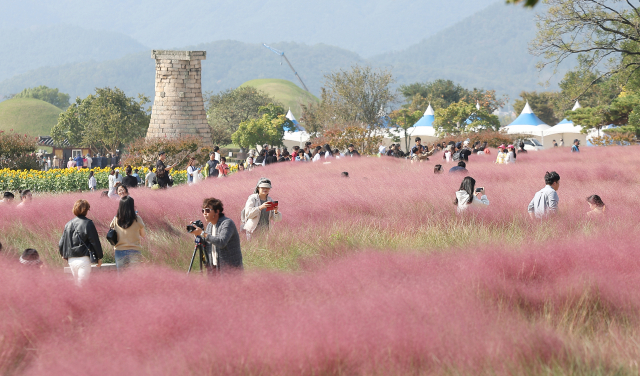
<point x="78" y="161"/>
<point x="80" y="243"/>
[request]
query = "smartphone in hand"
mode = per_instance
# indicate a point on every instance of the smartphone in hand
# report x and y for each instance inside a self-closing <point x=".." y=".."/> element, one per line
<point x="479" y="189"/>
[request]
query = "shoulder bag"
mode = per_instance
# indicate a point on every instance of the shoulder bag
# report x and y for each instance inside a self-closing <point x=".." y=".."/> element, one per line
<point x="112" y="235"/>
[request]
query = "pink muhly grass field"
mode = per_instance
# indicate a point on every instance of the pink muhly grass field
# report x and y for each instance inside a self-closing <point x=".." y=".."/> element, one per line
<point x="386" y="203"/>
<point x="389" y="278"/>
<point x="368" y="313"/>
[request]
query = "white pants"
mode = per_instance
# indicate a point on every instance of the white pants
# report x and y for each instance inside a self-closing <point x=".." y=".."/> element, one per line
<point x="80" y="268"/>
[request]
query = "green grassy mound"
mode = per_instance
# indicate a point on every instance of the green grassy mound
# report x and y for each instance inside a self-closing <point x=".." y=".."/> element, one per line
<point x="290" y="94"/>
<point x="28" y="116"/>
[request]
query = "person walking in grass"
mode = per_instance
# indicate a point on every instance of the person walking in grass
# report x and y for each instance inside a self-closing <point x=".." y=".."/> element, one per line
<point x="468" y="196"/>
<point x="130" y="229"/>
<point x="545" y="201"/>
<point x="79" y="238"/>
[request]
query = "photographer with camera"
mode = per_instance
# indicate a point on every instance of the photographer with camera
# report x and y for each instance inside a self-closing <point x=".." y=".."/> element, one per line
<point x="220" y="236"/>
<point x="466" y="195"/>
<point x="260" y="210"/>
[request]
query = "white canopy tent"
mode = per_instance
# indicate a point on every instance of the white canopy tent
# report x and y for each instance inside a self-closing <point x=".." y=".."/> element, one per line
<point x="565" y="130"/>
<point x="527" y="123"/>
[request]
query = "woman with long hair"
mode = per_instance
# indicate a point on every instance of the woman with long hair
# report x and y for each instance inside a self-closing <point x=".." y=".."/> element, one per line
<point x="468" y="195"/>
<point x="596" y="205"/>
<point x="328" y="153"/>
<point x="130" y="229"/>
<point x="192" y="170"/>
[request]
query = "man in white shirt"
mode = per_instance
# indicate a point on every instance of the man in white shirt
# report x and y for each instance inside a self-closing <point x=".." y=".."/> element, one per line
<point x="545" y="202"/>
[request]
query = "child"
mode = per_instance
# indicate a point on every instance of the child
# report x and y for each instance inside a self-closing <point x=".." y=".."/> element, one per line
<point x="223" y="167"/>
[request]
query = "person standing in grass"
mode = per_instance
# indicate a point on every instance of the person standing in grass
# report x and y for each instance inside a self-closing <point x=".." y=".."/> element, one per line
<point x="467" y="195"/>
<point x="221" y="238"/>
<point x="576" y="146"/>
<point x="511" y="155"/>
<point x="25" y="198"/>
<point x="79" y="238"/>
<point x="92" y="181"/>
<point x="130" y="229"/>
<point x="150" y="177"/>
<point x="162" y="171"/>
<point x="129" y="180"/>
<point x="212" y="163"/>
<point x="502" y="155"/>
<point x="545" y="201"/>
<point x="259" y="210"/>
<point x="223" y="168"/>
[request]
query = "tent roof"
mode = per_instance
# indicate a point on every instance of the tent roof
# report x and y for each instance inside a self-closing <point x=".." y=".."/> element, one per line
<point x="565" y="126"/>
<point x="528" y="118"/>
<point x="290" y="116"/>
<point x="427" y="119"/>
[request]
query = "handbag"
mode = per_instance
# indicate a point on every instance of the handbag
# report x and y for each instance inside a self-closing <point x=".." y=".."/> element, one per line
<point x="112" y="236"/>
<point x="92" y="253"/>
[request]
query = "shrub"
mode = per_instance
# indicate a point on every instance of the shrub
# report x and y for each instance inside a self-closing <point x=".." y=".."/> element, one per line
<point x="492" y="138"/>
<point x="144" y="152"/>
<point x="364" y="139"/>
<point x="16" y="151"/>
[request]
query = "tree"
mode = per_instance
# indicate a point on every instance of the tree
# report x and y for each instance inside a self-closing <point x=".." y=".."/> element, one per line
<point x="442" y="93"/>
<point x="543" y="104"/>
<point x="269" y="129"/>
<point x="463" y="117"/>
<point x="600" y="91"/>
<point x="403" y="119"/>
<point x="106" y="120"/>
<point x="46" y="94"/>
<point x="603" y="34"/>
<point x="590" y="117"/>
<point x="357" y="95"/>
<point x="227" y="109"/>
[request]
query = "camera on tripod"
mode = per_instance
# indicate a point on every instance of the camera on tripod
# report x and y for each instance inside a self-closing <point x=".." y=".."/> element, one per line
<point x="198" y="223"/>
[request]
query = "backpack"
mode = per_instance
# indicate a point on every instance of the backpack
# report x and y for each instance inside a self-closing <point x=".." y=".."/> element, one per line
<point x="457" y="156"/>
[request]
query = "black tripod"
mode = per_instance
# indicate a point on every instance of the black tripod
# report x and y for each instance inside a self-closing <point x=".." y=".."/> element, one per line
<point x="205" y="259"/>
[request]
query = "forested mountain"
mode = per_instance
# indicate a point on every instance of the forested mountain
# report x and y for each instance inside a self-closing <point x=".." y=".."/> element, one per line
<point x="367" y="27"/>
<point x="228" y="65"/>
<point x="488" y="50"/>
<point x="27" y="49"/>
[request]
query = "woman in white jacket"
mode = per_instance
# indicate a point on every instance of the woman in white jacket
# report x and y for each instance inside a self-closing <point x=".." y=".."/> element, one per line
<point x="468" y="196"/>
<point x="259" y="211"/>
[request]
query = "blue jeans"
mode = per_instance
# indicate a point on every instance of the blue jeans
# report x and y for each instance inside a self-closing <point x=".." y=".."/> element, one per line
<point x="124" y="259"/>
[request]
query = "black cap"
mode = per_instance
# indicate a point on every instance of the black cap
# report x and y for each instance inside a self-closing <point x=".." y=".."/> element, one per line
<point x="350" y="145"/>
<point x="160" y="153"/>
<point x="576" y="140"/>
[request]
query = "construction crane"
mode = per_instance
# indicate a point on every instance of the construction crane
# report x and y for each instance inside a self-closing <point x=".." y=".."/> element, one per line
<point x="290" y="66"/>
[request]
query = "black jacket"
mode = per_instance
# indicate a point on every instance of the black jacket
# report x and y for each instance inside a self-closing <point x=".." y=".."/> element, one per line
<point x="79" y="233"/>
<point x="130" y="181"/>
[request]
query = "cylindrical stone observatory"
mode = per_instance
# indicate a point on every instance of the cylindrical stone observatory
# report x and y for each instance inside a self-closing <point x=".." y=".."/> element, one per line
<point x="178" y="108"/>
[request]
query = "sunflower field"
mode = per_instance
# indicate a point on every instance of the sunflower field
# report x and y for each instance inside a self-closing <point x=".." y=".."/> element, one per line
<point x="66" y="180"/>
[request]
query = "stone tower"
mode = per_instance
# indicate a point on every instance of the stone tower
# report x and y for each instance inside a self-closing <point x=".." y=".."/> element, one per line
<point x="178" y="108"/>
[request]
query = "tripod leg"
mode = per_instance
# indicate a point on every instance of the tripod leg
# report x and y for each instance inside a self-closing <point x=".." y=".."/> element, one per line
<point x="192" y="258"/>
